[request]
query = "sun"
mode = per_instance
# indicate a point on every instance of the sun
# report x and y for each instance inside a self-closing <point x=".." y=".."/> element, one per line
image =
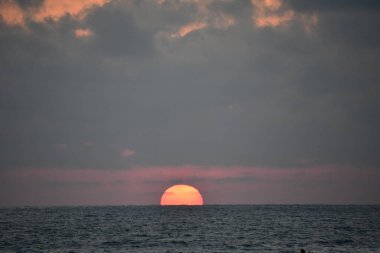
<point x="181" y="194"/>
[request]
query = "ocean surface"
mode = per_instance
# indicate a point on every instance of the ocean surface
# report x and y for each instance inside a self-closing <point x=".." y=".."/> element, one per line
<point x="245" y="228"/>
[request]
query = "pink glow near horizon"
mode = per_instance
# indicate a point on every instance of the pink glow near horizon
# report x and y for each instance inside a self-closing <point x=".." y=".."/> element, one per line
<point x="144" y="185"/>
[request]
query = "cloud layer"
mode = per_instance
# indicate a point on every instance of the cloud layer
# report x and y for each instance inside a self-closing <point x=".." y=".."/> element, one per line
<point x="116" y="85"/>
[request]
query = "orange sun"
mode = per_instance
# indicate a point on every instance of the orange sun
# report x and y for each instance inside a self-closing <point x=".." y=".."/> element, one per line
<point x="181" y="194"/>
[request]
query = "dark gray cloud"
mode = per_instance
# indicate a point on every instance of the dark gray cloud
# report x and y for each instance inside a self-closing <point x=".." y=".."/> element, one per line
<point x="243" y="95"/>
<point x="116" y="33"/>
<point x="28" y="4"/>
<point x="334" y="5"/>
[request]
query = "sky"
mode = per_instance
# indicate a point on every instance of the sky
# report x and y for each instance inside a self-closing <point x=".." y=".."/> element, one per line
<point x="110" y="102"/>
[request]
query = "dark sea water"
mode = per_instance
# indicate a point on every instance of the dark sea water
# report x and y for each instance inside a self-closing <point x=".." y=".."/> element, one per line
<point x="257" y="228"/>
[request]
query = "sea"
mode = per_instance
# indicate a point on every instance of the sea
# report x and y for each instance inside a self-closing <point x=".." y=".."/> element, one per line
<point x="208" y="228"/>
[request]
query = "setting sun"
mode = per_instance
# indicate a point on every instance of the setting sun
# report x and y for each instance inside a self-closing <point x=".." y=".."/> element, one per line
<point x="181" y="195"/>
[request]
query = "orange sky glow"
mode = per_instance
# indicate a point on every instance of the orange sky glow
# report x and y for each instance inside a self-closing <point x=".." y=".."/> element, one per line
<point x="82" y="33"/>
<point x="13" y="15"/>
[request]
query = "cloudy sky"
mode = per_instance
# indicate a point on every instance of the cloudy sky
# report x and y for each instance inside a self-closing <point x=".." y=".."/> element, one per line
<point x="251" y="102"/>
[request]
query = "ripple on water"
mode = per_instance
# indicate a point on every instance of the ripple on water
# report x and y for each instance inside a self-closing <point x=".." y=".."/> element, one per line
<point x="263" y="228"/>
